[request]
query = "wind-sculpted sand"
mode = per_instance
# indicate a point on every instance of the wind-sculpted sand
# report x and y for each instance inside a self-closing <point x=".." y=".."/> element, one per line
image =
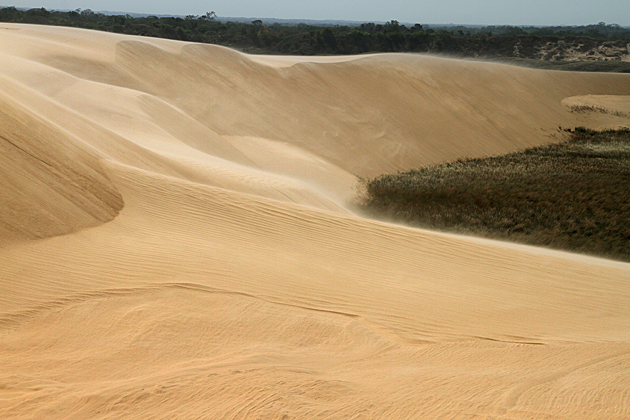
<point x="176" y="240"/>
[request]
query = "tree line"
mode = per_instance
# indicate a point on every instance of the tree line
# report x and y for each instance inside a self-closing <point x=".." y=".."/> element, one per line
<point x="305" y="39"/>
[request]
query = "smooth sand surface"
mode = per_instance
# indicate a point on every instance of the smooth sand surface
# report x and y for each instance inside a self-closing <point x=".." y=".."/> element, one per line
<point x="176" y="240"/>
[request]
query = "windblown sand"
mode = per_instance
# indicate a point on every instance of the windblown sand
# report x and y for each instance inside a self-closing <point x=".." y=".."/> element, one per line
<point x="176" y="240"/>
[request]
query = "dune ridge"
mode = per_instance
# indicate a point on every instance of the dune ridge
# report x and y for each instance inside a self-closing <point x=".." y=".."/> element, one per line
<point x="176" y="240"/>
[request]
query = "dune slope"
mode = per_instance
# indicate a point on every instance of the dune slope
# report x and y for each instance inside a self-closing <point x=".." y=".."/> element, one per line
<point x="51" y="183"/>
<point x="176" y="241"/>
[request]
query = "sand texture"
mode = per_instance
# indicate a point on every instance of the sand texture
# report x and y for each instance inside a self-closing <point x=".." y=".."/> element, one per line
<point x="176" y="239"/>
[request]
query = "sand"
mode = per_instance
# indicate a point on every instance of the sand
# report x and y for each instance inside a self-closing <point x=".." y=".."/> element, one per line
<point x="177" y="239"/>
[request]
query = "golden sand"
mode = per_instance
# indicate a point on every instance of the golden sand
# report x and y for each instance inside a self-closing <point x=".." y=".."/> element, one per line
<point x="176" y="240"/>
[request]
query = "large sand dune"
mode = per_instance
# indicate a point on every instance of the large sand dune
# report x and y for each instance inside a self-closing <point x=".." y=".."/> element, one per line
<point x="176" y="240"/>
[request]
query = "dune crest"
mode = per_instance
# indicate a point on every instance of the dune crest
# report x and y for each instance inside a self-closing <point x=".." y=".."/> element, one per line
<point x="175" y="240"/>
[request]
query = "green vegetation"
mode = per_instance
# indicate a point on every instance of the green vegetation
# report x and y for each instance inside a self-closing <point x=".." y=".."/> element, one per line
<point x="606" y="44"/>
<point x="574" y="195"/>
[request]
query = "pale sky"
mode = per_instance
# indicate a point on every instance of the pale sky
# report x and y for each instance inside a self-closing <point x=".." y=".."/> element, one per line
<point x="486" y="12"/>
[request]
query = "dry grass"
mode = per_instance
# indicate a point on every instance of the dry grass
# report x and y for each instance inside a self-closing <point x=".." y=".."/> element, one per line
<point x="574" y="195"/>
<point x="594" y="108"/>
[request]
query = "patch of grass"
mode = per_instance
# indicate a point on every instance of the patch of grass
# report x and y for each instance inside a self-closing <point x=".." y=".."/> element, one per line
<point x="573" y="196"/>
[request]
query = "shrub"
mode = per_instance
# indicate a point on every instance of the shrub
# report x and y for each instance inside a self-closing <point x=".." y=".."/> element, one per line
<point x="574" y="195"/>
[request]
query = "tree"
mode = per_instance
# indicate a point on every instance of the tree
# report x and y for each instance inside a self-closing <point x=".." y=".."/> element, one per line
<point x="392" y="26"/>
<point x="8" y="14"/>
<point x="328" y="37"/>
<point x="211" y="16"/>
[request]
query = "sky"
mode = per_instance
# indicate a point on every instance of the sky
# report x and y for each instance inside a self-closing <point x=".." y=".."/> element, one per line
<point x="473" y="12"/>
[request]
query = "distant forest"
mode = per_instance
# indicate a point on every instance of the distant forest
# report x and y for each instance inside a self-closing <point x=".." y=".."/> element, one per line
<point x="304" y="39"/>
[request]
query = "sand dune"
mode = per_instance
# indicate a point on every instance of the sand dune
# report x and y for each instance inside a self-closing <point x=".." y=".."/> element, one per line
<point x="176" y="239"/>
